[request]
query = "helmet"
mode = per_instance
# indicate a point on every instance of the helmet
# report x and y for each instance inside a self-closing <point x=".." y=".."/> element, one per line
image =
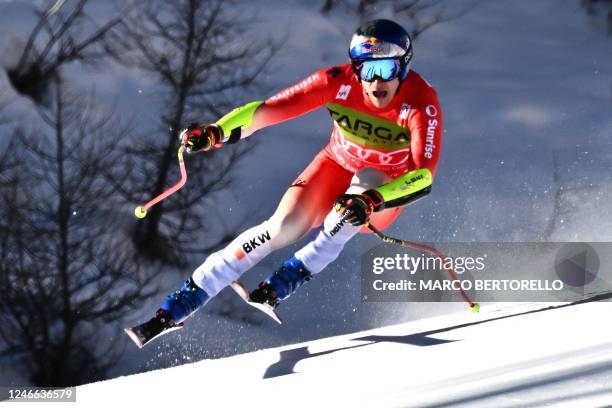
<point x="381" y="40"/>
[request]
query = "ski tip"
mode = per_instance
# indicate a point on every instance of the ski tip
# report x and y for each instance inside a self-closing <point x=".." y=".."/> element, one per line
<point x="240" y="290"/>
<point x="132" y="334"/>
<point x="245" y="295"/>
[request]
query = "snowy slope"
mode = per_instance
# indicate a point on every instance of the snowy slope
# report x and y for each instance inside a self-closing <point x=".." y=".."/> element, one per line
<point x="523" y="84"/>
<point x="523" y="356"/>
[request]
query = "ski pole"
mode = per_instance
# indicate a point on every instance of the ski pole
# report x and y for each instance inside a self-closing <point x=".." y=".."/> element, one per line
<point x="474" y="307"/>
<point x="141" y="210"/>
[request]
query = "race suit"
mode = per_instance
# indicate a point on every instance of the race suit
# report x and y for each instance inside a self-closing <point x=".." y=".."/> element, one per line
<point x="394" y="150"/>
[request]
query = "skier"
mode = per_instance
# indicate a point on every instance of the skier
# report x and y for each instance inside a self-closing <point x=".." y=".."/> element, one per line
<point x="382" y="154"/>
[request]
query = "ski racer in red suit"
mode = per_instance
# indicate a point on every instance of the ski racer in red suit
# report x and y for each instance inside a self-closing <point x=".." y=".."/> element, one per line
<point x="382" y="154"/>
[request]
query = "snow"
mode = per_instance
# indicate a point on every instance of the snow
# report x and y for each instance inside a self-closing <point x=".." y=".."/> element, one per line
<point x="523" y="85"/>
<point x="526" y="355"/>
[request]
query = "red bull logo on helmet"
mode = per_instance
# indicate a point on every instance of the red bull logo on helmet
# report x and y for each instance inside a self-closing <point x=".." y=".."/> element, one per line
<point x="372" y="47"/>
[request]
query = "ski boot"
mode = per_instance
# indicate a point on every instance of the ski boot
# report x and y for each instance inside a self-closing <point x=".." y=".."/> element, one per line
<point x="177" y="307"/>
<point x="280" y="285"/>
<point x="143" y="333"/>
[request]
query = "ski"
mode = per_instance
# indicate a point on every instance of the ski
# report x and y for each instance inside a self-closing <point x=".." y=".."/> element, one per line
<point x="263" y="307"/>
<point x="144" y="333"/>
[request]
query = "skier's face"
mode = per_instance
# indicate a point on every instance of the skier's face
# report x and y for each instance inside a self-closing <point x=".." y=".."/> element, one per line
<point x="380" y="92"/>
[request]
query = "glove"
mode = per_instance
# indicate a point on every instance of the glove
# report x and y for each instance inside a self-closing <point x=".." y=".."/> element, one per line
<point x="201" y="138"/>
<point x="357" y="208"/>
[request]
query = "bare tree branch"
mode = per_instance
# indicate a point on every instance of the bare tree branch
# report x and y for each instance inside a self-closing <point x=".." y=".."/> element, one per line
<point x="200" y="54"/>
<point x="61" y="35"/>
<point x="416" y="15"/>
<point x="65" y="266"/>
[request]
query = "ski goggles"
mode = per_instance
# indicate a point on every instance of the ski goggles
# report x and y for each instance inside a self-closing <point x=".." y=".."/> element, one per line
<point x="386" y="69"/>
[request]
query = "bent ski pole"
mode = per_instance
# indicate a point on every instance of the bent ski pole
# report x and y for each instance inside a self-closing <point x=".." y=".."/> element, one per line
<point x="141" y="210"/>
<point x="474" y="307"/>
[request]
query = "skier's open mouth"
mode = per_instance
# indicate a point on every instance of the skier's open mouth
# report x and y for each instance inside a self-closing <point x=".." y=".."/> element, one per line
<point x="379" y="94"/>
